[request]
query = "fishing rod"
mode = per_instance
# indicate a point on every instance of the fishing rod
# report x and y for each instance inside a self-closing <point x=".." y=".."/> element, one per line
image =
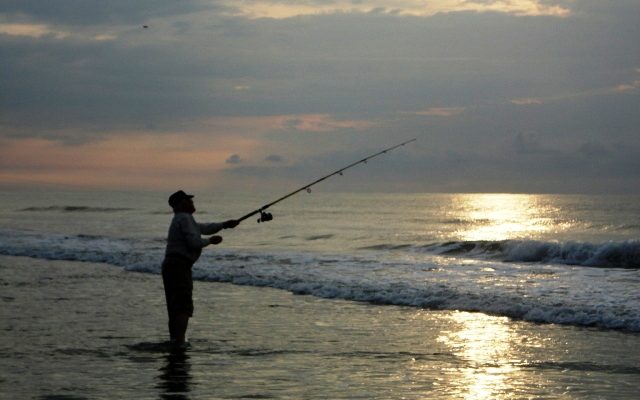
<point x="265" y="216"/>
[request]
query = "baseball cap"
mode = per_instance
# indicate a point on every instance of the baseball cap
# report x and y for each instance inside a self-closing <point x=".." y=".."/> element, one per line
<point x="177" y="197"/>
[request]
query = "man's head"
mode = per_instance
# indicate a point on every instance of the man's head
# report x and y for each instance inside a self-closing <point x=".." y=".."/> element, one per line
<point x="182" y="202"/>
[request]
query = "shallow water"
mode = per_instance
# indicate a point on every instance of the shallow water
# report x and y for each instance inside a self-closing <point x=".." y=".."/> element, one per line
<point x="81" y="330"/>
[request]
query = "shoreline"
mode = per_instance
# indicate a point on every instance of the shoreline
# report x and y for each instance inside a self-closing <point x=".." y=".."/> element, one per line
<point x="85" y="330"/>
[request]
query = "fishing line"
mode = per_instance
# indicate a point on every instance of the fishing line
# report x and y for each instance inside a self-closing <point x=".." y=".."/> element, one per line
<point x="265" y="216"/>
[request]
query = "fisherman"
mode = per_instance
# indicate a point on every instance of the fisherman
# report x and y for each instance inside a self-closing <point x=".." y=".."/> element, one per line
<point x="184" y="245"/>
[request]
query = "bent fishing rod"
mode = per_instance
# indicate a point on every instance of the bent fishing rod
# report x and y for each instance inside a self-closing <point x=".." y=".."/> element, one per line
<point x="265" y="216"/>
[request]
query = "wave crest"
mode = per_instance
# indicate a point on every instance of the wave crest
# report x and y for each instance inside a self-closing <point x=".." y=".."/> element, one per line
<point x="625" y="254"/>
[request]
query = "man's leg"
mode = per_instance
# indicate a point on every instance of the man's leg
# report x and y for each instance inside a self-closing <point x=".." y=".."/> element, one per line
<point x="172" y="329"/>
<point x="178" y="285"/>
<point x="178" y="327"/>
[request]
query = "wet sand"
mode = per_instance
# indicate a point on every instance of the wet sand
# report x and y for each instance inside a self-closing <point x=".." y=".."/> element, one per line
<point x="79" y="330"/>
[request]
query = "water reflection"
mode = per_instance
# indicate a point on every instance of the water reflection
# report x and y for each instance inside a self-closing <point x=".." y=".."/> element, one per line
<point x="175" y="380"/>
<point x="502" y="216"/>
<point x="485" y="344"/>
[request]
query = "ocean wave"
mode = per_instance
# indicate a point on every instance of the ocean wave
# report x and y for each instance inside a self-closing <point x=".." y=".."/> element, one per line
<point x="464" y="221"/>
<point x="624" y="254"/>
<point x="348" y="281"/>
<point x="319" y="237"/>
<point x="629" y="227"/>
<point x="74" y="209"/>
<point x="387" y="247"/>
<point x="582" y="366"/>
<point x="584" y="297"/>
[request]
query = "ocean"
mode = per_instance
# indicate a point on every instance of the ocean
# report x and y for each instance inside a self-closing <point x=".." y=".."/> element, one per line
<point x="565" y="266"/>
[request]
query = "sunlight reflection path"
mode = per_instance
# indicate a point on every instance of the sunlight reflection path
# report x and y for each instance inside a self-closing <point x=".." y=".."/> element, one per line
<point x="485" y="343"/>
<point x="503" y="216"/>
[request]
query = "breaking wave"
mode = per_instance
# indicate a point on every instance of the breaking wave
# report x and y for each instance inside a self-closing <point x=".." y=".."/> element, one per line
<point x="540" y="293"/>
<point x="623" y="254"/>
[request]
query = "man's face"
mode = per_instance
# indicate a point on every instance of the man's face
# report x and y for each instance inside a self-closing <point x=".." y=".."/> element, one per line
<point x="191" y="208"/>
<point x="186" y="205"/>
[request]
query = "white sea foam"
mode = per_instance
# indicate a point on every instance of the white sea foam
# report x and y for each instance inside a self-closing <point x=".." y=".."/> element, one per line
<point x="623" y="254"/>
<point x="600" y="297"/>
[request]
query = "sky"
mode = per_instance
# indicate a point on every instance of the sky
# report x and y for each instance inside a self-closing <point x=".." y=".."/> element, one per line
<point x="518" y="96"/>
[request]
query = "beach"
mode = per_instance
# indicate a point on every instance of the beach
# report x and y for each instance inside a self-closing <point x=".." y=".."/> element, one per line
<point x="79" y="330"/>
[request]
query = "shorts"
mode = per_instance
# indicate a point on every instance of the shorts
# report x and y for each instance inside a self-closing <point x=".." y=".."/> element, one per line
<point x="178" y="285"/>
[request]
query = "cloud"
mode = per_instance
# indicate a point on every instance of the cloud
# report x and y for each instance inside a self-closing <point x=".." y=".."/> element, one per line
<point x="233" y="159"/>
<point x="31" y="30"/>
<point x="592" y="92"/>
<point x="321" y="123"/>
<point x="628" y="87"/>
<point x="526" y="101"/>
<point x="92" y="12"/>
<point x="529" y="143"/>
<point x="440" y="111"/>
<point x="287" y="9"/>
<point x="274" y="158"/>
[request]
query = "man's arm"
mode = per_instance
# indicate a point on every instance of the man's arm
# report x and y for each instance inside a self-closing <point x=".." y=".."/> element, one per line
<point x="211" y="228"/>
<point x="215" y="227"/>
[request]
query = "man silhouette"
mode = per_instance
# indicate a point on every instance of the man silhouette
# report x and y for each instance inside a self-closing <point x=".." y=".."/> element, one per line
<point x="184" y="245"/>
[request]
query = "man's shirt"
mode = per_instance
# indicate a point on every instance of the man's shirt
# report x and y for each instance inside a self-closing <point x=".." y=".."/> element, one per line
<point x="185" y="236"/>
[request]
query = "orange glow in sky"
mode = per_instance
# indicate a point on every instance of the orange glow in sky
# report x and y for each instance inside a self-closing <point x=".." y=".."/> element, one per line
<point x="149" y="161"/>
<point x="137" y="162"/>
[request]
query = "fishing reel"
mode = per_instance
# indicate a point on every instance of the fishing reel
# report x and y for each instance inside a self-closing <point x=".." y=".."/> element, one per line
<point x="265" y="217"/>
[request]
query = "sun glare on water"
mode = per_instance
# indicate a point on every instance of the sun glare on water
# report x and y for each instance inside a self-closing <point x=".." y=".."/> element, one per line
<point x="484" y="343"/>
<point x="501" y="216"/>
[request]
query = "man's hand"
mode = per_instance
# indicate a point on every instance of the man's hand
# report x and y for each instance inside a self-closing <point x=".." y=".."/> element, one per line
<point x="215" y="239"/>
<point x="232" y="223"/>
